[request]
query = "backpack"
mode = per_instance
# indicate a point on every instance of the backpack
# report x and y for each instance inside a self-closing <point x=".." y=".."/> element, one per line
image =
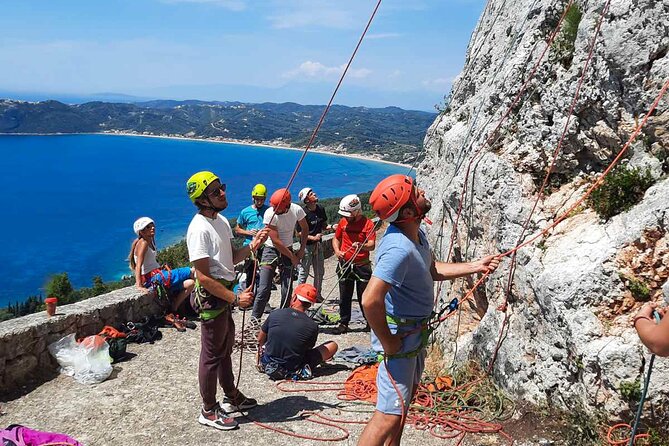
<point x="17" y="435"/>
<point x="117" y="343"/>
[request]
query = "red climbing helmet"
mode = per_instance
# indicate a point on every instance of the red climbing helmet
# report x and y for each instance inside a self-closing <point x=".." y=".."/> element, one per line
<point x="390" y="195"/>
<point x="280" y="200"/>
<point x="306" y="292"/>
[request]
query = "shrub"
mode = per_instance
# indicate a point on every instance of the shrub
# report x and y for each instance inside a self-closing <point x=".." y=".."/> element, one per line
<point x="563" y="45"/>
<point x="621" y="189"/>
<point x="582" y="428"/>
<point x="639" y="290"/>
<point x="630" y="391"/>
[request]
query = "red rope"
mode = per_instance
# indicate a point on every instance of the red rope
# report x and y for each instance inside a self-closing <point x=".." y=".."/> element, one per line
<point x="540" y="195"/>
<point x="327" y="108"/>
<point x="492" y="136"/>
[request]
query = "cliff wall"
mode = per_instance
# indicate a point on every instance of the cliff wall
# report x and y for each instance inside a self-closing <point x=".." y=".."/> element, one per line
<point x="568" y="342"/>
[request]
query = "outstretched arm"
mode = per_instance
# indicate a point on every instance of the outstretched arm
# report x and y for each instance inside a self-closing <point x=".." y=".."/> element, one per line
<point x="449" y="271"/>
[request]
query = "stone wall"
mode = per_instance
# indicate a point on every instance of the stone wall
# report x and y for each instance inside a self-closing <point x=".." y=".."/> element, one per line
<point x="24" y="357"/>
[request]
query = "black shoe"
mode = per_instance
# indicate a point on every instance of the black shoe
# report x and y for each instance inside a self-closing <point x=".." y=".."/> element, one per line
<point x="340" y="329"/>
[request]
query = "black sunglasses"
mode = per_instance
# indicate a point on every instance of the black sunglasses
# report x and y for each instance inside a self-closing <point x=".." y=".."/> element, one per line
<point x="217" y="191"/>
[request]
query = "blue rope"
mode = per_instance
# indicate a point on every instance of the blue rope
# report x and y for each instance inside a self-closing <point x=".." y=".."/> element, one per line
<point x="645" y="389"/>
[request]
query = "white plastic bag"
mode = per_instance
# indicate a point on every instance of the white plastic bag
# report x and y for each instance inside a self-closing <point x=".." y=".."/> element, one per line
<point x="88" y="362"/>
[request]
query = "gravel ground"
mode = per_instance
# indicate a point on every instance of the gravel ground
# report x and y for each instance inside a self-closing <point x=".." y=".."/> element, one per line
<point x="153" y="399"/>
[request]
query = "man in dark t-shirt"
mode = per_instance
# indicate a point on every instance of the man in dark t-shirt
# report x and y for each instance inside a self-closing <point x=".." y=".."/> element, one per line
<point x="288" y="336"/>
<point x="313" y="255"/>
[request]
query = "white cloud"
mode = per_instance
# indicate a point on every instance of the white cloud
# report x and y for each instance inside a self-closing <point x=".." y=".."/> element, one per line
<point x="439" y="83"/>
<point x="340" y="14"/>
<point x="395" y="74"/>
<point x="313" y="70"/>
<point x="232" y="5"/>
<point x="319" y="18"/>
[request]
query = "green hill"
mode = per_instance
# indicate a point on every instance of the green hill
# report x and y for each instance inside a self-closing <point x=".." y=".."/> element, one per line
<point x="389" y="133"/>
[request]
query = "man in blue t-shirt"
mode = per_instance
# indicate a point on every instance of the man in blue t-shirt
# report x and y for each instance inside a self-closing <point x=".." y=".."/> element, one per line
<point x="399" y="300"/>
<point x="249" y="222"/>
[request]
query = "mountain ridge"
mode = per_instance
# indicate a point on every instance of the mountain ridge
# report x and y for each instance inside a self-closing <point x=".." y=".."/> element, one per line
<point x="390" y="133"/>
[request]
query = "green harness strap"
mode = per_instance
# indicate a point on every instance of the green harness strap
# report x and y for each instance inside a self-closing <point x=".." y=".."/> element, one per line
<point x="201" y="294"/>
<point x="425" y="333"/>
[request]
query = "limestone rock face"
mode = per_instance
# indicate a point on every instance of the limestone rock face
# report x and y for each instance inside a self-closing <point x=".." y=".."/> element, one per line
<point x="568" y="341"/>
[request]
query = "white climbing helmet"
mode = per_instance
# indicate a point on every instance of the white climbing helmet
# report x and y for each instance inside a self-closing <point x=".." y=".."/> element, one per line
<point x="348" y="205"/>
<point x="302" y="196"/>
<point x="141" y="223"/>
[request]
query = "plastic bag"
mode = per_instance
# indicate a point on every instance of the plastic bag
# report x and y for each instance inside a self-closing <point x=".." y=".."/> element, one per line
<point x="88" y="362"/>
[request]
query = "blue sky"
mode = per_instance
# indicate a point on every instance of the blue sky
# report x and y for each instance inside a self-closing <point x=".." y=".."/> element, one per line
<point x="246" y="50"/>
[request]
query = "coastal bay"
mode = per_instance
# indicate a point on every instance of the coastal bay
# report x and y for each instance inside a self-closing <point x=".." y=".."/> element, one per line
<point x="70" y="200"/>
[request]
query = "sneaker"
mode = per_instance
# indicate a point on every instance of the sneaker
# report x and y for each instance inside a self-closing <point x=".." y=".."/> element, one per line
<point x="268" y="308"/>
<point x="366" y="328"/>
<point x="306" y="372"/>
<point x="229" y="405"/>
<point x="217" y="418"/>
<point x="340" y="329"/>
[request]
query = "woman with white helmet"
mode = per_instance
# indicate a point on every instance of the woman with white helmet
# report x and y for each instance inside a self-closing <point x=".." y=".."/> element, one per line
<point x="147" y="270"/>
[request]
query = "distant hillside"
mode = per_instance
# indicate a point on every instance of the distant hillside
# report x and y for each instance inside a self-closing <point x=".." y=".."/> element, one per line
<point x="388" y="133"/>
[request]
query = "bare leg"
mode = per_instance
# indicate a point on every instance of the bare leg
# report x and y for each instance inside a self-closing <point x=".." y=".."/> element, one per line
<point x="380" y="429"/>
<point x="189" y="284"/>
<point x="327" y="350"/>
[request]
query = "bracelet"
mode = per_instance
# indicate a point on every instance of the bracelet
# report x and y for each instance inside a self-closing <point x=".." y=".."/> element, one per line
<point x="641" y="317"/>
<point x="235" y="303"/>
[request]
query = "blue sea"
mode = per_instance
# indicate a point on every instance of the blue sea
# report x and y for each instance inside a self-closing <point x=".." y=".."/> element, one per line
<point x="68" y="201"/>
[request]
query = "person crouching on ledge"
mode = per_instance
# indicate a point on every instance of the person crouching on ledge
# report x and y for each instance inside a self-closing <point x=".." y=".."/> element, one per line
<point x="287" y="338"/>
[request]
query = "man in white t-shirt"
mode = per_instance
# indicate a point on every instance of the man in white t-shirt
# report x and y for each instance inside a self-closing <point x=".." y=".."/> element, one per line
<point x="210" y="249"/>
<point x="280" y="219"/>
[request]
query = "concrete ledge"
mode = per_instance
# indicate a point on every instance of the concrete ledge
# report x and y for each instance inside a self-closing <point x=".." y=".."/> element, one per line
<point x="24" y="356"/>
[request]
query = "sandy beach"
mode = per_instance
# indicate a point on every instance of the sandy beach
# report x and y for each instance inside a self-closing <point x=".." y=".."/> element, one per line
<point x="319" y="149"/>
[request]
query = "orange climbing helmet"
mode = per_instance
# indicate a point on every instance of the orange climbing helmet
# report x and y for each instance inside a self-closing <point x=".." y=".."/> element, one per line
<point x="390" y="195"/>
<point x="306" y="292"/>
<point x="280" y="200"/>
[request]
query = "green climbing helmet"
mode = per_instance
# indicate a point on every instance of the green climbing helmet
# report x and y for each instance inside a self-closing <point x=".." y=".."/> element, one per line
<point x="197" y="183"/>
<point x="259" y="190"/>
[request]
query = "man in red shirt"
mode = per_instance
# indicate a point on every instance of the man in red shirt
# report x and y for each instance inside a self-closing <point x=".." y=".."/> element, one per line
<point x="354" y="238"/>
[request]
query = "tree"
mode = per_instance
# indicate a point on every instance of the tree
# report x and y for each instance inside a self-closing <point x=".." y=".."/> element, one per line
<point x="99" y="286"/>
<point x="59" y="286"/>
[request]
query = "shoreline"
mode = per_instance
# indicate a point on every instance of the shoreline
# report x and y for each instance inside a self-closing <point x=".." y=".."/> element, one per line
<point x="224" y="141"/>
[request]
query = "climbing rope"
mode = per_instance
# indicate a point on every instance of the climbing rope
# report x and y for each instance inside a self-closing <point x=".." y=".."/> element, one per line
<point x="540" y="194"/>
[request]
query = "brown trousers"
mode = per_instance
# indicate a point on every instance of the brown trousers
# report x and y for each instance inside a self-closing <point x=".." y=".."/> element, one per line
<point x="217" y="338"/>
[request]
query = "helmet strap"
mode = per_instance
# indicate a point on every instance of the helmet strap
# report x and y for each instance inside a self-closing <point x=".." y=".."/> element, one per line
<point x="419" y="215"/>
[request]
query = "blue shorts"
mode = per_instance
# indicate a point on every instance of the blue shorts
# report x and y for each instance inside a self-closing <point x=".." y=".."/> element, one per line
<point x="406" y="373"/>
<point x="177" y="277"/>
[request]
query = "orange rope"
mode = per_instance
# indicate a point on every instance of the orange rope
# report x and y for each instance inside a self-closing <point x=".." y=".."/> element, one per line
<point x="610" y="436"/>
